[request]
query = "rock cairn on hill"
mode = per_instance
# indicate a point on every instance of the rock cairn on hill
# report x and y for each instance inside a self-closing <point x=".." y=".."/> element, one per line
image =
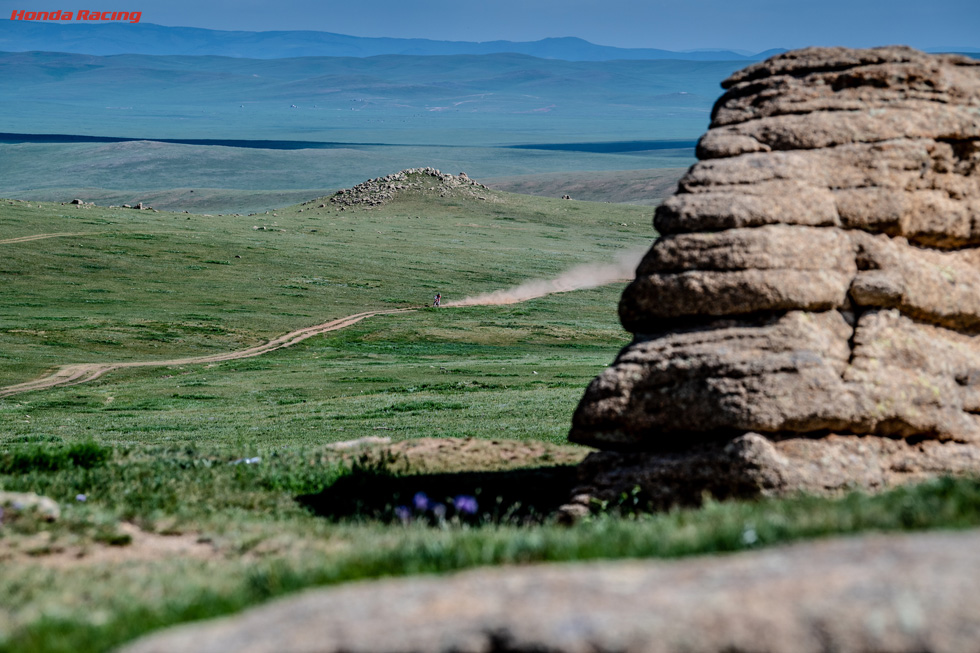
<point x="810" y="317"/>
<point x="380" y="191"/>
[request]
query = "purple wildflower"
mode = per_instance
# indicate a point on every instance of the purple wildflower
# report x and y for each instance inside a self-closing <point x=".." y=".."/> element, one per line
<point x="465" y="504"/>
<point x="421" y="501"/>
<point x="403" y="513"/>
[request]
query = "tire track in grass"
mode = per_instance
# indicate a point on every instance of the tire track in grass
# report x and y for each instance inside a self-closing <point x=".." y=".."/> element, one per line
<point x="74" y="374"/>
<point x="27" y="239"/>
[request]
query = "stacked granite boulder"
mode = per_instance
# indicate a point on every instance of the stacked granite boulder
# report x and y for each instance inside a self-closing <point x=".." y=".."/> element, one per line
<point x="810" y="317"/>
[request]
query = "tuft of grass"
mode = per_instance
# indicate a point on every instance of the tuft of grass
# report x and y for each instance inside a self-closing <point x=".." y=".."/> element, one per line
<point x="24" y="459"/>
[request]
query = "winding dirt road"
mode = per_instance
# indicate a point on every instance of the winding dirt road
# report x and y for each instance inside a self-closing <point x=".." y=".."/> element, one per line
<point x="83" y="372"/>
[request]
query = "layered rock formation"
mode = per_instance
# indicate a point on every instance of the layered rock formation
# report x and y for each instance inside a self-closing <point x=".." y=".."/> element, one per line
<point x="810" y="317"/>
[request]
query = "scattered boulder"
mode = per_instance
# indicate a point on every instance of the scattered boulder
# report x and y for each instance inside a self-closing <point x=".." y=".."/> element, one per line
<point x="810" y="317"/>
<point x="27" y="502"/>
<point x="852" y="595"/>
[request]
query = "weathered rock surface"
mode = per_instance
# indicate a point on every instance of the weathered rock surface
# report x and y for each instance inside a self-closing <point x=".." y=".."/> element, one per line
<point x="818" y="272"/>
<point x="753" y="466"/>
<point x="883" y="594"/>
<point x="821" y="97"/>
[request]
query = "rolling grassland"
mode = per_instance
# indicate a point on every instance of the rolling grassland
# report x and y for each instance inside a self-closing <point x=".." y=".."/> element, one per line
<point x="249" y="135"/>
<point x="190" y="489"/>
<point x="221" y="179"/>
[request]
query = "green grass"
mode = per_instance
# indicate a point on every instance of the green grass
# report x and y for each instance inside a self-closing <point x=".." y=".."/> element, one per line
<point x="412" y="374"/>
<point x="144" y="285"/>
<point x="140" y="285"/>
<point x="165" y="449"/>
<point x="187" y="589"/>
<point x="640" y="187"/>
<point x="19" y="460"/>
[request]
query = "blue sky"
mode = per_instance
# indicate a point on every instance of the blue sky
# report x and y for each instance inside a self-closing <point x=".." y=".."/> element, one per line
<point x="751" y="25"/>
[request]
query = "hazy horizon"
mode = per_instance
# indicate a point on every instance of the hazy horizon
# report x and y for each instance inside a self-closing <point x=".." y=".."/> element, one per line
<point x="740" y="25"/>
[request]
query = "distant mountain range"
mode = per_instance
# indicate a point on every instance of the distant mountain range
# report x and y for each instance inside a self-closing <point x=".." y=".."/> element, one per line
<point x="147" y="38"/>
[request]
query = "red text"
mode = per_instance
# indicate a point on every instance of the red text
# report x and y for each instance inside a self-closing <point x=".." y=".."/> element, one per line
<point x="106" y="16"/>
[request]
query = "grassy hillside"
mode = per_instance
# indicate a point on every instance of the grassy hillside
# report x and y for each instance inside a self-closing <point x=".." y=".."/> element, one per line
<point x="639" y="187"/>
<point x="139" y="285"/>
<point x="188" y="491"/>
<point x="133" y="284"/>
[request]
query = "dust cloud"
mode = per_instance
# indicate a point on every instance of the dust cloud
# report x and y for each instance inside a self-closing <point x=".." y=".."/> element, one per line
<point x="588" y="275"/>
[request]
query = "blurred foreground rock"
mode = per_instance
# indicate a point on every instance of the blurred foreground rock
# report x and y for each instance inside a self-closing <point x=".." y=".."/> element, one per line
<point x="809" y="318"/>
<point x="16" y="503"/>
<point x="883" y="594"/>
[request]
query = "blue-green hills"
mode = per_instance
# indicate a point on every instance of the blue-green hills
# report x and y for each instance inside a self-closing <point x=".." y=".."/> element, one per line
<point x="498" y="98"/>
<point x="147" y="38"/>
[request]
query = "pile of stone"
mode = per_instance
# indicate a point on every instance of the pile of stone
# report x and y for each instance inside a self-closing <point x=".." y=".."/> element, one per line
<point x="809" y="318"/>
<point x="380" y="191"/>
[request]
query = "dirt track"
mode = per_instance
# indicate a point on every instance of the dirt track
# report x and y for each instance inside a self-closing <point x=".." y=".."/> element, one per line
<point x="24" y="239"/>
<point x="84" y="372"/>
<point x="583" y="276"/>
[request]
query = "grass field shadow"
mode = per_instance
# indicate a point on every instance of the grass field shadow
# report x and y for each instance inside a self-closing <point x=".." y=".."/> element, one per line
<point x="516" y="496"/>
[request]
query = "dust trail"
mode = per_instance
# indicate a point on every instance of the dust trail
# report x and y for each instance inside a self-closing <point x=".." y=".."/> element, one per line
<point x="588" y="275"/>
